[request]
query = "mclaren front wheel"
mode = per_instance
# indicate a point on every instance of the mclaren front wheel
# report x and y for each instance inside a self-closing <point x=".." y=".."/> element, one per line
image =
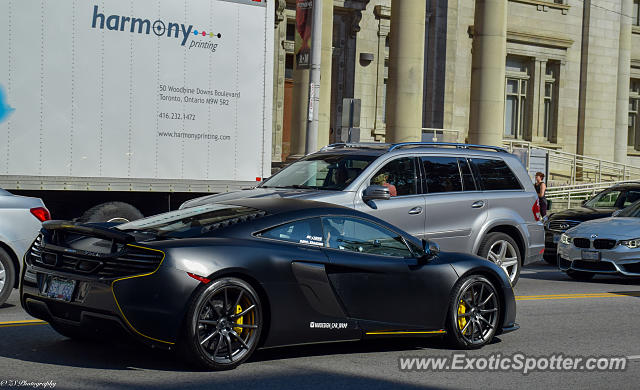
<point x="474" y="311"/>
<point x="223" y="324"/>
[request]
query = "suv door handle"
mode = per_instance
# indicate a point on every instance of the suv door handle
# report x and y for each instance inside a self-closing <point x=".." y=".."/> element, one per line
<point x="478" y="204"/>
<point x="415" y="210"/>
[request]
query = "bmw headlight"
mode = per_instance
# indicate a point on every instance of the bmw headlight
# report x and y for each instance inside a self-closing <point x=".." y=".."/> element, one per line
<point x="631" y="244"/>
<point x="565" y="239"/>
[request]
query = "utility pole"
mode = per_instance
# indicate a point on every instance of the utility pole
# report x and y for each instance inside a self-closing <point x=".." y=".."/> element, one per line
<point x="314" y="78"/>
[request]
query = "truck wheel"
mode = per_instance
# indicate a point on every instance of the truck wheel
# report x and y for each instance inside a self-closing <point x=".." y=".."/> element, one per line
<point x="7" y="276"/>
<point x="501" y="249"/>
<point x="111" y="212"/>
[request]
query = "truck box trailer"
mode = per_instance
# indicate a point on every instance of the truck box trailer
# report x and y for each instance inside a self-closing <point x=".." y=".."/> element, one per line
<point x="116" y="109"/>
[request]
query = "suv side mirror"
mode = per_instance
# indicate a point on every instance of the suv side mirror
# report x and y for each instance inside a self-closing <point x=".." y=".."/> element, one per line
<point x="376" y="192"/>
<point x="431" y="249"/>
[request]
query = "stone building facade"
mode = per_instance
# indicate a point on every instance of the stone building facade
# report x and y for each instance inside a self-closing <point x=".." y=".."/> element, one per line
<point x="569" y="77"/>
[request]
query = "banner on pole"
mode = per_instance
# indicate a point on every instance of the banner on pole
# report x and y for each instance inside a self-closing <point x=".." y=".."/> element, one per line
<point x="304" y="18"/>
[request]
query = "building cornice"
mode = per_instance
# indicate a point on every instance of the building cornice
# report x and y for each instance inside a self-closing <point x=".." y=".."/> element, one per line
<point x="543" y="5"/>
<point x="535" y="39"/>
<point x="382" y="12"/>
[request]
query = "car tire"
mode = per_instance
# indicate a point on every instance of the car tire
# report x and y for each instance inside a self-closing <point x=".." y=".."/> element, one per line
<point x="111" y="212"/>
<point x="7" y="276"/>
<point x="474" y="312"/>
<point x="224" y="312"/>
<point x="510" y="261"/>
<point x="580" y="276"/>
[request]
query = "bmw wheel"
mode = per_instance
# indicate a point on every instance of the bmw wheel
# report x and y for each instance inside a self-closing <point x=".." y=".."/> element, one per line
<point x="474" y="310"/>
<point x="223" y="324"/>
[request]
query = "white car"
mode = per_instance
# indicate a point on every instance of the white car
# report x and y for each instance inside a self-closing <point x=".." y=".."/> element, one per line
<point x="20" y="220"/>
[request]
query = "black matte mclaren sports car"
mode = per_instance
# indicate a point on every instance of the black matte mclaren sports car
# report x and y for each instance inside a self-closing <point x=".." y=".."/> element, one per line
<point x="218" y="281"/>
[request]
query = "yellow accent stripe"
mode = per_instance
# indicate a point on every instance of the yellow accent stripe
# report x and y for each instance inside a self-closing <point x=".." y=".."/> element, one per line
<point x="578" y="296"/>
<point x="138" y="276"/>
<point x="409" y="332"/>
<point x="7" y="324"/>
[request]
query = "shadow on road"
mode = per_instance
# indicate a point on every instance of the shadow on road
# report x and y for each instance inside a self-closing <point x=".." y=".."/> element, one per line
<point x="40" y="344"/>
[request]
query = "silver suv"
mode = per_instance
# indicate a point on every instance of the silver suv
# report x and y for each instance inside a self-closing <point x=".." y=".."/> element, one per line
<point x="467" y="198"/>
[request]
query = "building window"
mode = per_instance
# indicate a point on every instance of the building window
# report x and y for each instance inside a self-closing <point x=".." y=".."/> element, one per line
<point x="550" y="104"/>
<point x="634" y="106"/>
<point x="516" y="92"/>
<point x="288" y="67"/>
<point x="635" y="17"/>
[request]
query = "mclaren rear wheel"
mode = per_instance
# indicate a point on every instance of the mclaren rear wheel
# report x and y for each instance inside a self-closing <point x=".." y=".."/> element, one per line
<point x="474" y="311"/>
<point x="223" y="324"/>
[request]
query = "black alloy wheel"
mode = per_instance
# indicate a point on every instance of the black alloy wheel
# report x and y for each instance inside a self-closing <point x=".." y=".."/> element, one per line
<point x="224" y="323"/>
<point x="474" y="310"/>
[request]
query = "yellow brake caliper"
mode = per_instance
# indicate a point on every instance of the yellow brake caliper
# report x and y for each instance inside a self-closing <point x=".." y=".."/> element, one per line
<point x="462" y="321"/>
<point x="238" y="330"/>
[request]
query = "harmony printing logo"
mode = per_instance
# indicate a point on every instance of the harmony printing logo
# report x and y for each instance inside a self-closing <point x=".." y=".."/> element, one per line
<point x="144" y="26"/>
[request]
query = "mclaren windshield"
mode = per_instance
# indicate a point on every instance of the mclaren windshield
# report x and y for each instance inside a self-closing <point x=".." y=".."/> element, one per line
<point x="321" y="172"/>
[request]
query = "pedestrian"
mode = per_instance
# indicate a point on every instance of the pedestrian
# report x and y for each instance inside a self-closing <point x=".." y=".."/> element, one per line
<point x="541" y="189"/>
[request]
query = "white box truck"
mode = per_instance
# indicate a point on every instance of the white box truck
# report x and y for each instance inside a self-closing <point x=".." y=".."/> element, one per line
<point x="114" y="109"/>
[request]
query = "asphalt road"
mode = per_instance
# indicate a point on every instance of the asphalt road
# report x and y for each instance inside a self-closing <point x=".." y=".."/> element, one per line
<point x="557" y="316"/>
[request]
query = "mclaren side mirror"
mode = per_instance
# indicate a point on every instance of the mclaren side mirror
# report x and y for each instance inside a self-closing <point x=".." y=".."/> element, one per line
<point x="431" y="250"/>
<point x="376" y="192"/>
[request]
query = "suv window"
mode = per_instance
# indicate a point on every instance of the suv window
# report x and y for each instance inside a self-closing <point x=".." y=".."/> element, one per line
<point x="495" y="175"/>
<point x="468" y="182"/>
<point x="442" y="174"/>
<point x="306" y="231"/>
<point x="356" y="235"/>
<point x="399" y="176"/>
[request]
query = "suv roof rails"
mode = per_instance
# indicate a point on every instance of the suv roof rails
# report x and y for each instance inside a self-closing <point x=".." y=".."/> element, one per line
<point x="364" y="145"/>
<point x="448" y="144"/>
<point x="390" y="147"/>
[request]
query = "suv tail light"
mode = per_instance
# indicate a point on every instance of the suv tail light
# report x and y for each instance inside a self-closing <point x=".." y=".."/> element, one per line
<point x="41" y="213"/>
<point x="536" y="210"/>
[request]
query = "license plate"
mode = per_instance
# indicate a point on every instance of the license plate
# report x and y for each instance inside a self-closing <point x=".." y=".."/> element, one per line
<point x="590" y="255"/>
<point x="61" y="289"/>
<point x="556" y="238"/>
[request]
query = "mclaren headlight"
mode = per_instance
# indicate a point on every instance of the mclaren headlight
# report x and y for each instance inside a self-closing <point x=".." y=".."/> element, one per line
<point x="631" y="244"/>
<point x="565" y="239"/>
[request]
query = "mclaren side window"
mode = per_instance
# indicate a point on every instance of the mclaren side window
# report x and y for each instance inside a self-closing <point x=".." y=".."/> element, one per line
<point x="356" y="235"/>
<point x="305" y="231"/>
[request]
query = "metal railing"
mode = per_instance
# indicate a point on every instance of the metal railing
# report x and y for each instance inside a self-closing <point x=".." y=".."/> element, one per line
<point x="574" y="194"/>
<point x="572" y="168"/>
<point x="441" y="135"/>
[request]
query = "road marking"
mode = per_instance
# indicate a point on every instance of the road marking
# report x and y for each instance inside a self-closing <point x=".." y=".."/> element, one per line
<point x="7" y="324"/>
<point x="578" y="296"/>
